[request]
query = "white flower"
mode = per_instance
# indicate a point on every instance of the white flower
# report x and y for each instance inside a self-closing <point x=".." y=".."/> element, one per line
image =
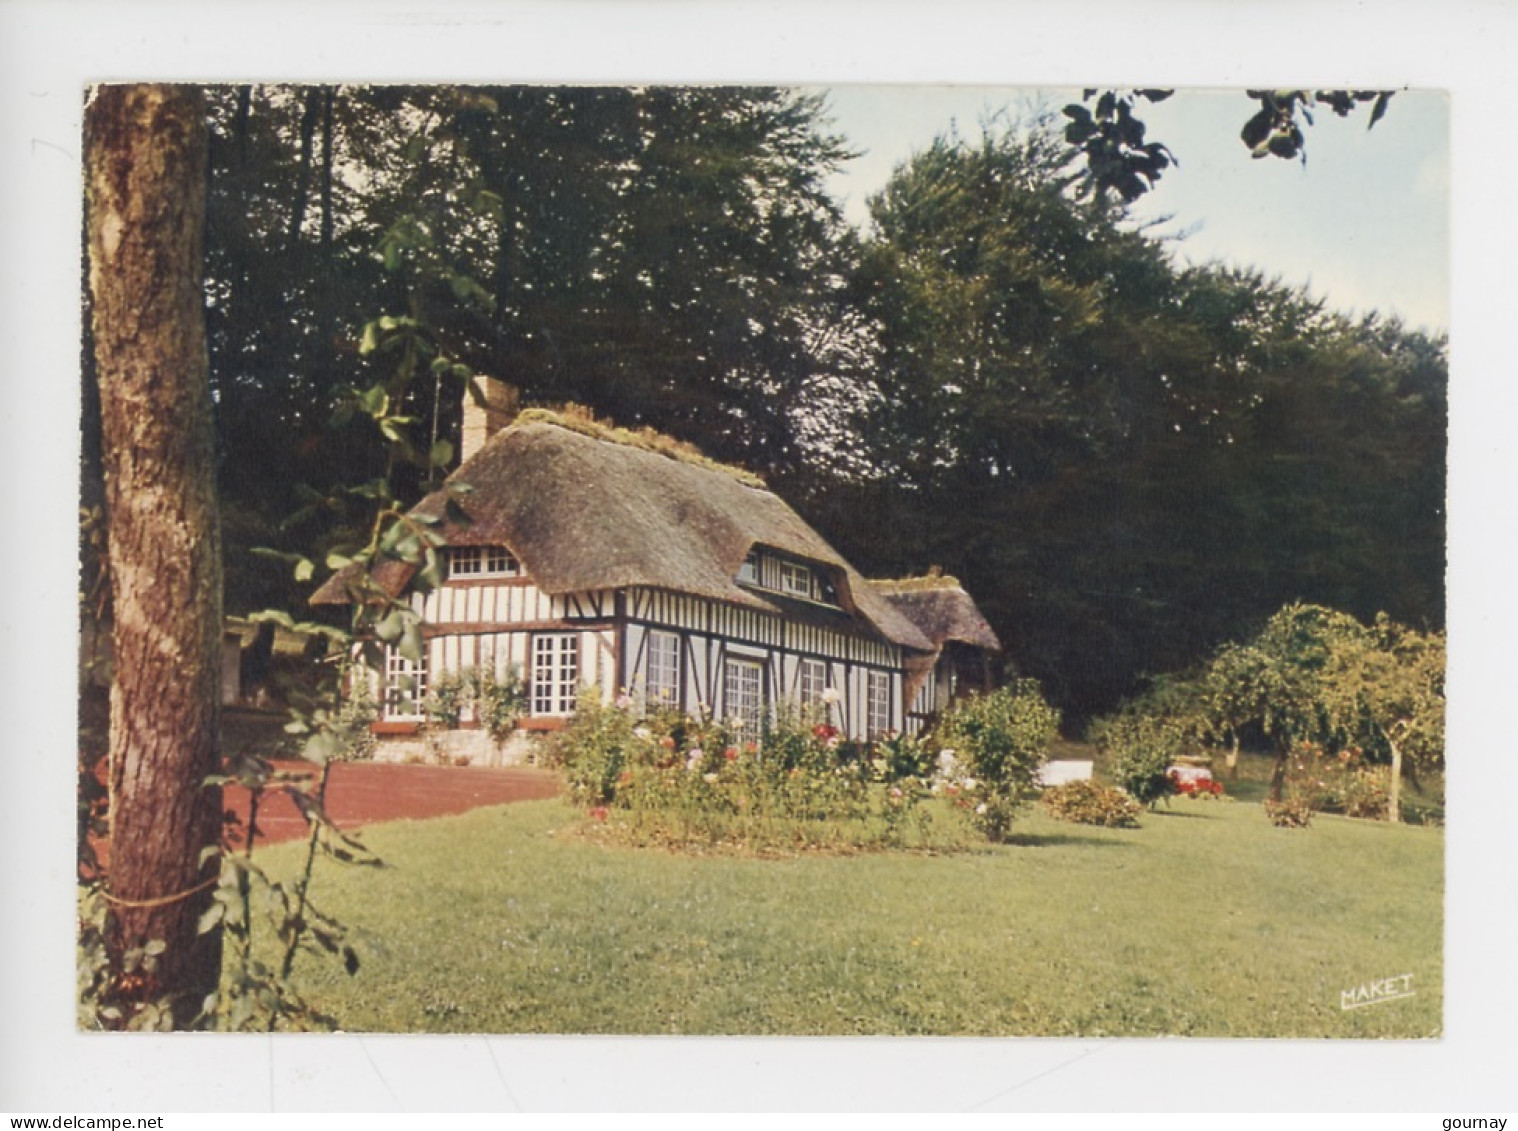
<point x="968" y="783"/>
<point x="830" y="695"/>
<point x="981" y="808"/>
<point x="711" y="779"/>
<point x="624" y="702"/>
<point x="642" y="732"/>
<point x="693" y="759"/>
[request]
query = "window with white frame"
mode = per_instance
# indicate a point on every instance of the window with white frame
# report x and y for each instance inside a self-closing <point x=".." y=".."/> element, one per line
<point x="743" y="695"/>
<point x="482" y="561"/>
<point x="878" y="703"/>
<point x="813" y="681"/>
<point x="555" y="672"/>
<point x="661" y="670"/>
<point x="798" y="580"/>
<point x="405" y="685"/>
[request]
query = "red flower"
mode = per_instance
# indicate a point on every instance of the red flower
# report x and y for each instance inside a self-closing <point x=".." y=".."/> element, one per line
<point x="731" y="753"/>
<point x="667" y="742"/>
<point x="824" y="732"/>
<point x="599" y="813"/>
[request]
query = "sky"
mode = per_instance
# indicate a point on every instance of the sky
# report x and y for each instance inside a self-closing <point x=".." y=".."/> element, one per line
<point x="1363" y="224"/>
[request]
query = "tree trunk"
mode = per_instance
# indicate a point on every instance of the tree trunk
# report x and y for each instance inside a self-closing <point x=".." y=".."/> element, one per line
<point x="303" y="176"/>
<point x="146" y="170"/>
<point x="1394" y="790"/>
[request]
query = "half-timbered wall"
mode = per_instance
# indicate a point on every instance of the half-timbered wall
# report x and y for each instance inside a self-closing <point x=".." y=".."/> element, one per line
<point x="709" y="633"/>
<point x="491" y="623"/>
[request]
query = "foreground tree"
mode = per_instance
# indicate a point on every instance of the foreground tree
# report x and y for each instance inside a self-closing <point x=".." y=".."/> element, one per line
<point x="1387" y="691"/>
<point x="145" y="161"/>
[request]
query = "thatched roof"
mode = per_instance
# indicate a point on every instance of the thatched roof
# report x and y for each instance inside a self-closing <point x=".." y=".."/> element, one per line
<point x="941" y="608"/>
<point x="583" y="508"/>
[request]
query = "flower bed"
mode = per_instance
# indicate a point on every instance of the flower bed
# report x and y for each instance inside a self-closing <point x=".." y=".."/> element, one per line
<point x="695" y="780"/>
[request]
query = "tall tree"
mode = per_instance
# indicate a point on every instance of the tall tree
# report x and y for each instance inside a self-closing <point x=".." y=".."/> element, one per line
<point x="145" y="179"/>
<point x="1127" y="463"/>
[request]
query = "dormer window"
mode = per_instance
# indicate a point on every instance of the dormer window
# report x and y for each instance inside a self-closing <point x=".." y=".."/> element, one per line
<point x="798" y="581"/>
<point x="482" y="561"/>
<point x="763" y="569"/>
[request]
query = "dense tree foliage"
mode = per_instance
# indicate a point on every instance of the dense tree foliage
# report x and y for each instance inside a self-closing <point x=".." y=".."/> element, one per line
<point x="665" y="255"/>
<point x="1126" y="462"/>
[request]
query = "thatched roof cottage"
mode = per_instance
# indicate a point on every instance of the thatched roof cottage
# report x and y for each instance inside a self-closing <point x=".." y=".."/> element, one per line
<point x="629" y="563"/>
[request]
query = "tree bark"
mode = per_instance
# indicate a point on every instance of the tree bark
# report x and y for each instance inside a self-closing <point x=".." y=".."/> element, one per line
<point x="145" y="179"/>
<point x="1394" y="790"/>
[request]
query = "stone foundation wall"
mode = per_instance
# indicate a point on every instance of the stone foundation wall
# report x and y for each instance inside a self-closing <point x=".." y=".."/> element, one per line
<point x="459" y="747"/>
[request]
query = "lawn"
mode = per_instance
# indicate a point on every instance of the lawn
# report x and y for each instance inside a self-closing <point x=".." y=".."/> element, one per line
<point x="1207" y="921"/>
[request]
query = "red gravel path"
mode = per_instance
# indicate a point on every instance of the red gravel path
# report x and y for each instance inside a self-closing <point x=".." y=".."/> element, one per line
<point x="361" y="793"/>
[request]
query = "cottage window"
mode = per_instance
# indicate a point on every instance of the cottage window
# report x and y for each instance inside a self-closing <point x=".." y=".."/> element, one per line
<point x="482" y="561"/>
<point x="878" y="703"/>
<point x="743" y="695"/>
<point x="798" y="580"/>
<point x="813" y="682"/>
<point x="555" y="672"/>
<point x="405" y="685"/>
<point x="661" y="675"/>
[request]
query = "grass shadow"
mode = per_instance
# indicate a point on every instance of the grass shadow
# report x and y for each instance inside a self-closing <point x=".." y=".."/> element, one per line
<point x="1055" y="840"/>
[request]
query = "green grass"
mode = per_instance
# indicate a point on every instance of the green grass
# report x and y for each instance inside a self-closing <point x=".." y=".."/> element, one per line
<point x="1206" y="921"/>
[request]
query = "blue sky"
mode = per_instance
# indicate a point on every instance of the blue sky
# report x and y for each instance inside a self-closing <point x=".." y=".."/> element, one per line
<point x="1364" y="224"/>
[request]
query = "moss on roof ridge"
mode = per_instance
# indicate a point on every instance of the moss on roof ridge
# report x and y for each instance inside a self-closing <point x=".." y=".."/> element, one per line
<point x="932" y="582"/>
<point x="579" y="419"/>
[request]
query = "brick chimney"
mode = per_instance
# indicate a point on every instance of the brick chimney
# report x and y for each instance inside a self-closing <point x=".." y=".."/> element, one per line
<point x="482" y="421"/>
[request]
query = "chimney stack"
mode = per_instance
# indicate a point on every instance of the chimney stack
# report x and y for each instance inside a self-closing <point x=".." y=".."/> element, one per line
<point x="482" y="421"/>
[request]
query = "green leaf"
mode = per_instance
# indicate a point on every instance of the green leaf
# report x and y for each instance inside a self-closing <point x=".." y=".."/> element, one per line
<point x="390" y="627"/>
<point x="441" y="454"/>
<point x="304" y="569"/>
<point x="411" y="646"/>
<point x="370" y="341"/>
<point x="374" y="400"/>
<point x="321" y="748"/>
<point x="211" y="917"/>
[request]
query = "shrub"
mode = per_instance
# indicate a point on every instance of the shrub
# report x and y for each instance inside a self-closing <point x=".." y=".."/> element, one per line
<point x="1090" y="803"/>
<point x="592" y="750"/>
<point x="356" y="740"/>
<point x="1142" y="750"/>
<point x="1291" y="813"/>
<point x="1001" y="739"/>
<point x="687" y="782"/>
<point x="497" y="701"/>
<point x="1341" y="782"/>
